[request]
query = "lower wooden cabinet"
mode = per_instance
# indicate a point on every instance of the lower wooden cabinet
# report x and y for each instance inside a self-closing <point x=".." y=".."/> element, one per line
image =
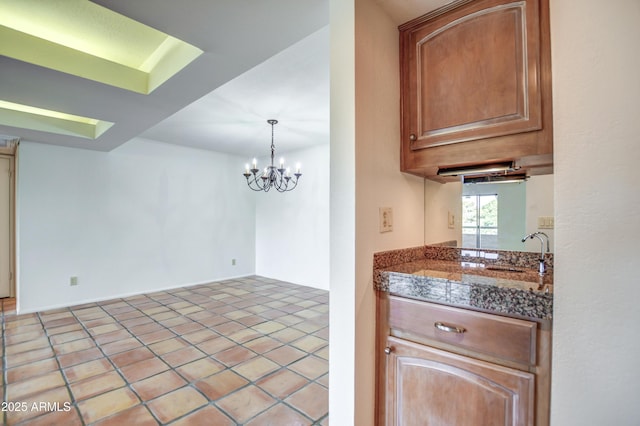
<point x="428" y="386"/>
<point x="440" y="365"/>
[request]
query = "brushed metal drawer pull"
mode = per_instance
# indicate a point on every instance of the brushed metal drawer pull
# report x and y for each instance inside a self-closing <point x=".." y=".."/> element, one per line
<point x="388" y="350"/>
<point x="449" y="328"/>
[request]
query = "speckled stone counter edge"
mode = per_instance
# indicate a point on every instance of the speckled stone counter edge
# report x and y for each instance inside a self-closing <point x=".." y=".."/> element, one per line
<point x="494" y="299"/>
<point x="517" y="259"/>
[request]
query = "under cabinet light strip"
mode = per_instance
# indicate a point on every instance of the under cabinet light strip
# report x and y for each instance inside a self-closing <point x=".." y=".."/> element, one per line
<point x="477" y="169"/>
<point x="495" y="179"/>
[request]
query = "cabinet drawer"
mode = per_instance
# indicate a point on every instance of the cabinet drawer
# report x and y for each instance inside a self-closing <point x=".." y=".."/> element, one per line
<point x="506" y="338"/>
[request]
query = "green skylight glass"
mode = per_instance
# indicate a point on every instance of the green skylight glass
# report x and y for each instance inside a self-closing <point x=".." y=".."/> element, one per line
<point x="28" y="117"/>
<point x="87" y="40"/>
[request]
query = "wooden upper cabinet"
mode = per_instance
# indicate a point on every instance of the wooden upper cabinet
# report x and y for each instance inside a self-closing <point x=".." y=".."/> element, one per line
<point x="474" y="79"/>
<point x="476" y="75"/>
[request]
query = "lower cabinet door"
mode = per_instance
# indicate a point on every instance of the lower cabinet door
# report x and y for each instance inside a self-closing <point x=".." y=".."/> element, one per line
<point x="428" y="386"/>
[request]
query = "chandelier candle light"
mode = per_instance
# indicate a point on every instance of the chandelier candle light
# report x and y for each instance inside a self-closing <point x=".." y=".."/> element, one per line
<point x="272" y="176"/>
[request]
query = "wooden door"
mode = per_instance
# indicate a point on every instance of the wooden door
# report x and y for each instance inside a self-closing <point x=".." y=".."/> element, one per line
<point x="430" y="387"/>
<point x="5" y="227"/>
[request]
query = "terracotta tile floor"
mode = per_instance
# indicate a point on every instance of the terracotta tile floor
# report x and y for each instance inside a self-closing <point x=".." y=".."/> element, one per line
<point x="249" y="351"/>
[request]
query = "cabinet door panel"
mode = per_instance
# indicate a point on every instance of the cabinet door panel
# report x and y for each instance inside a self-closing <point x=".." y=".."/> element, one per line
<point x="476" y="76"/>
<point x="426" y="386"/>
<point x="475" y="87"/>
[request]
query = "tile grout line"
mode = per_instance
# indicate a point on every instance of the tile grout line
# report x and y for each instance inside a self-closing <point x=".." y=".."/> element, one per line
<point x="281" y="367"/>
<point x="117" y="369"/>
<point x="108" y="358"/>
<point x="99" y="346"/>
<point x="64" y="376"/>
<point x="228" y="368"/>
<point x="189" y="383"/>
<point x="128" y="384"/>
<point x="254" y="382"/>
<point x="200" y="296"/>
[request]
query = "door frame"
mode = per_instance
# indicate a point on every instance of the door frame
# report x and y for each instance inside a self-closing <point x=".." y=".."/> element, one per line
<point x="11" y="155"/>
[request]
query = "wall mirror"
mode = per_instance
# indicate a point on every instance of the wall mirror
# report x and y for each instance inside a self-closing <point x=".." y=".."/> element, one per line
<point x="490" y="216"/>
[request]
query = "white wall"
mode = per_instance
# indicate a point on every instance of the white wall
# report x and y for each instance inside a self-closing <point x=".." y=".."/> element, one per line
<point x="342" y="215"/>
<point x="292" y="228"/>
<point x="595" y="57"/>
<point x="144" y="217"/>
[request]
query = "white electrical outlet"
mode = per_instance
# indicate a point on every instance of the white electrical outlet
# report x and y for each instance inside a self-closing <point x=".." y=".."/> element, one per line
<point x="73" y="281"/>
<point x="386" y="219"/>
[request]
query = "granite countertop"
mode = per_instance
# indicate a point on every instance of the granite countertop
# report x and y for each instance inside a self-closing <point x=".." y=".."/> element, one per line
<point x="484" y="284"/>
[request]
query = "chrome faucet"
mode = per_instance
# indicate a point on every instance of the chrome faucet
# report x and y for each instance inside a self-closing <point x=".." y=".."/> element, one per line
<point x="538" y="235"/>
<point x="547" y="237"/>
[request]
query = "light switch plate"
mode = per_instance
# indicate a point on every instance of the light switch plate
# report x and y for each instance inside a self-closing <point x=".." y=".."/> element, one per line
<point x="545" y="222"/>
<point x="386" y="219"/>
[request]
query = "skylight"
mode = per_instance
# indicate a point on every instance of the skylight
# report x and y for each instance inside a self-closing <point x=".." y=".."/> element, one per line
<point x="84" y="39"/>
<point x="28" y="117"/>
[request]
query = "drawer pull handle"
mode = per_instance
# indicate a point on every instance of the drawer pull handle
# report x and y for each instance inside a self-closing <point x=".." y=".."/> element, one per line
<point x="449" y="328"/>
<point x="388" y="350"/>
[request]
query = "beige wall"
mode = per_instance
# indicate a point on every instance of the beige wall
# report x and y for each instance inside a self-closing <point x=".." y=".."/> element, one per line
<point x="539" y="203"/>
<point x="370" y="155"/>
<point x="440" y="203"/>
<point x="379" y="182"/>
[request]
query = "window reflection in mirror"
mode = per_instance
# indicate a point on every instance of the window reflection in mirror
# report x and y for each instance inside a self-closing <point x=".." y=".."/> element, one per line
<point x="519" y="209"/>
<point x="480" y="220"/>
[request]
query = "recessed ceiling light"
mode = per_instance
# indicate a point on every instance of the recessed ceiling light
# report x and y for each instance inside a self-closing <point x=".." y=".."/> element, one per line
<point x="87" y="40"/>
<point x="28" y="117"/>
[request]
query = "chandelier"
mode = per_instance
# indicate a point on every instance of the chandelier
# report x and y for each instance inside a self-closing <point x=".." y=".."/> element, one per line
<point x="272" y="176"/>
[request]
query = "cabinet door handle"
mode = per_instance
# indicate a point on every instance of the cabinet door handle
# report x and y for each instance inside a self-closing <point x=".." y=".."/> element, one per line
<point x="388" y="350"/>
<point x="449" y="328"/>
<point x="413" y="137"/>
